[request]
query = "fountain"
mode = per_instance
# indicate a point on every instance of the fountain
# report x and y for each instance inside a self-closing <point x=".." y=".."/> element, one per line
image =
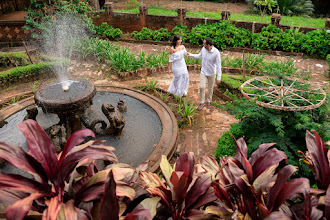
<point x="139" y="126"/>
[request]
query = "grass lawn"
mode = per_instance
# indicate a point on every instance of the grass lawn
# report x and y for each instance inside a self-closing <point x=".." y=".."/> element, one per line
<point x="289" y="20"/>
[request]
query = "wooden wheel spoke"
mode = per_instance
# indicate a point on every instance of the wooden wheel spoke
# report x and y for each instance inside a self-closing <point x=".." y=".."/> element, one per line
<point x="278" y="98"/>
<point x="292" y="104"/>
<point x="302" y="98"/>
<point x="299" y="90"/>
<point x="261" y="89"/>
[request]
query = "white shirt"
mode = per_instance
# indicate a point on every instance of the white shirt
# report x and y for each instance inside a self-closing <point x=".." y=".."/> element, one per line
<point x="211" y="62"/>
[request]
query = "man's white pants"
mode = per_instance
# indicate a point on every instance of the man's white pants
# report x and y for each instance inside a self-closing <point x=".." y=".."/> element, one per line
<point x="202" y="84"/>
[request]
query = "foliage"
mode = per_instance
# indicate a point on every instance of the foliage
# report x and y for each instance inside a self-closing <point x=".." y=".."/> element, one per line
<point x="130" y="4"/>
<point x="182" y="190"/>
<point x="316" y="42"/>
<point x="328" y="61"/>
<point x="36" y="69"/>
<point x="225" y="34"/>
<point x="161" y="35"/>
<point x="183" y="31"/>
<point x="286" y="128"/>
<point x="253" y="188"/>
<point x="295" y="7"/>
<point x="118" y="58"/>
<point x="14" y="59"/>
<point x="144" y="34"/>
<point x="318" y="159"/>
<point x="264" y="5"/>
<point x="188" y="110"/>
<point x="108" y="31"/>
<point x="49" y="187"/>
<point x="42" y="11"/>
<point x="151" y="85"/>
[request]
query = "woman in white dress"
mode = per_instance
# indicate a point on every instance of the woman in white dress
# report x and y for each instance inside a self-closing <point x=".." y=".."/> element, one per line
<point x="177" y="64"/>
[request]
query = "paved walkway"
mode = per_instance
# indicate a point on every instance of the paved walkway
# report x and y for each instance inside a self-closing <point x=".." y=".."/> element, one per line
<point x="200" y="138"/>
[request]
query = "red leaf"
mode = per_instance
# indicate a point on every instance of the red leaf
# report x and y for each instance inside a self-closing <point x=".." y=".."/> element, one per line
<point x="17" y="157"/>
<point x="282" y="177"/>
<point x="138" y="214"/>
<point x="53" y="209"/>
<point x="76" y="139"/>
<point x="20" y="208"/>
<point x="318" y="153"/>
<point x="110" y="205"/>
<point x="260" y="151"/>
<point x="96" y="152"/>
<point x="40" y="145"/>
<point x="186" y="163"/>
<point x="266" y="160"/>
<point x="327" y="204"/>
<point x="201" y="185"/>
<point x="20" y="183"/>
<point x="278" y="215"/>
<point x="290" y="188"/>
<point x="180" y="186"/>
<point x="208" y="197"/>
<point x="241" y="155"/>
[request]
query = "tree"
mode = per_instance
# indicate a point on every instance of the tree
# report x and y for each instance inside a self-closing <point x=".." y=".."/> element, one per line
<point x="263" y="5"/>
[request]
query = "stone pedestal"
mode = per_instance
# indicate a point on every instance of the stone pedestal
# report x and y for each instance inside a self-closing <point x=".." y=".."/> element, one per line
<point x="143" y="10"/>
<point x="225" y="15"/>
<point x="327" y="23"/>
<point x="108" y="7"/>
<point x="276" y="18"/>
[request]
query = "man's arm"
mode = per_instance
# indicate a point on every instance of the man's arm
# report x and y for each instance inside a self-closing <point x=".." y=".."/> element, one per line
<point x="196" y="56"/>
<point x="219" y="71"/>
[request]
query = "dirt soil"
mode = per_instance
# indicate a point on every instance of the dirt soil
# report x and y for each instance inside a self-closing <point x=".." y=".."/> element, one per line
<point x="236" y="8"/>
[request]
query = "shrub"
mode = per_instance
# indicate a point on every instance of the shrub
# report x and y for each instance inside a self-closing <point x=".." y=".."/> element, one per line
<point x="183" y="31"/>
<point x="108" y="31"/>
<point x="14" y="59"/>
<point x="316" y="42"/>
<point x="161" y="35"/>
<point x="144" y="34"/>
<point x="32" y="70"/>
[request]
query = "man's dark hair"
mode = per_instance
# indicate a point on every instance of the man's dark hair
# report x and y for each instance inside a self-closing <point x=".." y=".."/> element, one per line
<point x="209" y="41"/>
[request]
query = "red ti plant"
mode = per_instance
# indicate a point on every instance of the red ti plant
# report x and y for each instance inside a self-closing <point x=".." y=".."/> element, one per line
<point x="249" y="186"/>
<point x="182" y="191"/>
<point x="318" y="159"/>
<point x="47" y="189"/>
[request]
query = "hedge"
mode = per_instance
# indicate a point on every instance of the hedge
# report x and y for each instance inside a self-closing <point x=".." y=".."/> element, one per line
<point x="14" y="59"/>
<point x="32" y="70"/>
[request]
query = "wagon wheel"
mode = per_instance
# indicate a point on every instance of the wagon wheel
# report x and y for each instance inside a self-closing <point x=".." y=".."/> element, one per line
<point x="287" y="94"/>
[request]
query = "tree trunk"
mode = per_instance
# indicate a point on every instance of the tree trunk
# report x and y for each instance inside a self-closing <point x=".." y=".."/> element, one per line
<point x="95" y="4"/>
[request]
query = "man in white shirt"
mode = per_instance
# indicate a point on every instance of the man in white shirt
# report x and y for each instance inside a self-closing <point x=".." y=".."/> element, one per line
<point x="211" y="69"/>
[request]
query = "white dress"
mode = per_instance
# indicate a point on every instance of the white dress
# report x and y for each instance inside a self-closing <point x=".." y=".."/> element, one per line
<point x="180" y="81"/>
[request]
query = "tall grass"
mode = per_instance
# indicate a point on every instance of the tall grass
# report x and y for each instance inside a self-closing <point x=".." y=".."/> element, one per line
<point x="288" y="20"/>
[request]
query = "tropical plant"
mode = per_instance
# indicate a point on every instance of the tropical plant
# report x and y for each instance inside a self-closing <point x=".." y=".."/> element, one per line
<point x="50" y="185"/>
<point x="251" y="189"/>
<point x="182" y="190"/>
<point x="151" y="85"/>
<point x="295" y="7"/>
<point x="188" y="110"/>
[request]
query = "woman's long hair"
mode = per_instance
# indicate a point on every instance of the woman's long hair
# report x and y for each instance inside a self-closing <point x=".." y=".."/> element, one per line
<point x="175" y="39"/>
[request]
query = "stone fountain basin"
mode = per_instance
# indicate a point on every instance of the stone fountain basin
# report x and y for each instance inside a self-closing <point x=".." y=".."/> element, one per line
<point x="53" y="99"/>
<point x="168" y="140"/>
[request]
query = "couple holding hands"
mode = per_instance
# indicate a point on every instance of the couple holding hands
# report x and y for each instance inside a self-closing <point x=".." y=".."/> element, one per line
<point x="210" y="72"/>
